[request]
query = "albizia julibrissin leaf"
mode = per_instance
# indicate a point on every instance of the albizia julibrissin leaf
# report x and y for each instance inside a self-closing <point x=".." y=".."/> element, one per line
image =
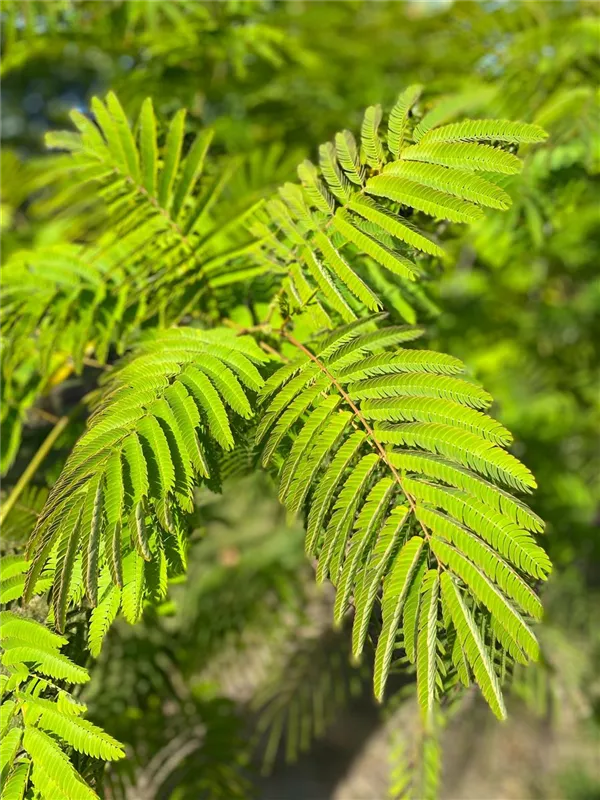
<point x="404" y="483"/>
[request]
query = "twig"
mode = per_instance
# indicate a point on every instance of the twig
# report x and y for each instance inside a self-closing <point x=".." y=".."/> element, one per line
<point x="35" y="462"/>
<point x="46" y="415"/>
<point x="91" y="362"/>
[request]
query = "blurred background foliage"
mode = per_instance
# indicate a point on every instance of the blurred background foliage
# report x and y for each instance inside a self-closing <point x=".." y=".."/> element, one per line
<point x="239" y="668"/>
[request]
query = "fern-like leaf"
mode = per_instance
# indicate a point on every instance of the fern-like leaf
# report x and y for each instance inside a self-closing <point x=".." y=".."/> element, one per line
<point x="399" y="116"/>
<point x="146" y="443"/>
<point x="473" y="645"/>
<point x="356" y="207"/>
<point x="44" y="719"/>
<point x="487" y="129"/>
<point x="427" y="643"/>
<point x="81" y="734"/>
<point x="378" y="518"/>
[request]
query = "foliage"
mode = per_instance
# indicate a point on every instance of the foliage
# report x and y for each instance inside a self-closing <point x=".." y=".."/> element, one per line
<point x="41" y="721"/>
<point x="211" y="325"/>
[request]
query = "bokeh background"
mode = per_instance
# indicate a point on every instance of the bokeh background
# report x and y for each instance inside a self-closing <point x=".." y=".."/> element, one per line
<point x="247" y="639"/>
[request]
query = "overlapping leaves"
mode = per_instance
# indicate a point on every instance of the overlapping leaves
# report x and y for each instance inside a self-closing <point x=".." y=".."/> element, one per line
<point x="40" y="721"/>
<point x="159" y="199"/>
<point x="405" y="481"/>
<point x="114" y="524"/>
<point x="405" y="486"/>
<point x="353" y="210"/>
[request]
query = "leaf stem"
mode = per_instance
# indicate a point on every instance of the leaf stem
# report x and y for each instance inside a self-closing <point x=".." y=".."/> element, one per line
<point x="363" y="422"/>
<point x="35" y="463"/>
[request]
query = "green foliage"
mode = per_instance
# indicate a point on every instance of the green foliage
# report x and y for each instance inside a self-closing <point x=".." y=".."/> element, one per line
<point x="41" y="722"/>
<point x="121" y="501"/>
<point x="378" y="519"/>
<point x="342" y="208"/>
<point x="159" y="206"/>
<point x="164" y="251"/>
<point x="298" y="703"/>
<point x="147" y="281"/>
<point x="416" y="777"/>
<point x="114" y="524"/>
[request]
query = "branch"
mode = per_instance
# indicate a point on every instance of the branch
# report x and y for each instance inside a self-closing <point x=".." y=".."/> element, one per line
<point x="35" y="462"/>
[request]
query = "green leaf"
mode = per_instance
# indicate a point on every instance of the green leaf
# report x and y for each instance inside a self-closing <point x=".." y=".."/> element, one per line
<point x="336" y="263"/>
<point x="191" y="171"/>
<point x="67" y="550"/>
<point x="47" y="757"/>
<point x="16" y="782"/>
<point x="427" y="644"/>
<point x="9" y="747"/>
<point x="410" y="615"/>
<point x="111" y="134"/>
<point x="328" y="439"/>
<point x="399" y="117"/>
<point x="316" y="193"/>
<point x="325" y="283"/>
<point x="371" y="145"/>
<point x="158" y="456"/>
<point x="499" y="130"/>
<point x="461" y="446"/>
<point x="484" y="557"/>
<point x="488" y="594"/>
<point x="395" y="590"/>
<point x="473" y="646"/>
<point x="347" y="153"/>
<point x="342" y="518"/>
<point x="390" y="259"/>
<point x="81" y="734"/>
<point x="517" y="545"/>
<point x="423" y="198"/>
<point x="369" y="581"/>
<point x="433" y="466"/>
<point x="418" y="385"/>
<point x="227" y="384"/>
<point x="303" y="442"/>
<point x="366" y="528"/>
<point x="456" y="182"/>
<point x="91" y="524"/>
<point x="13" y="625"/>
<point x="45" y="661"/>
<point x="172" y="154"/>
<point x="336" y="179"/>
<point x="211" y="404"/>
<point x="114" y="490"/>
<point x="148" y="150"/>
<point x="393" y="224"/>
<point x="465" y="155"/>
<point x="328" y="485"/>
<point x="125" y="136"/>
<point x="299" y="405"/>
<point x="104" y="614"/>
<point x="445" y="412"/>
<point x="133" y="587"/>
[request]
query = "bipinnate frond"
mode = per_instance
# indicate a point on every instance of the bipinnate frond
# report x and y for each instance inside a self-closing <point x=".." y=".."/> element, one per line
<point x="355" y="209"/>
<point x="62" y="304"/>
<point x="405" y="482"/>
<point x="40" y="721"/>
<point x="406" y="487"/>
<point x="113" y="525"/>
<point x="158" y="199"/>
